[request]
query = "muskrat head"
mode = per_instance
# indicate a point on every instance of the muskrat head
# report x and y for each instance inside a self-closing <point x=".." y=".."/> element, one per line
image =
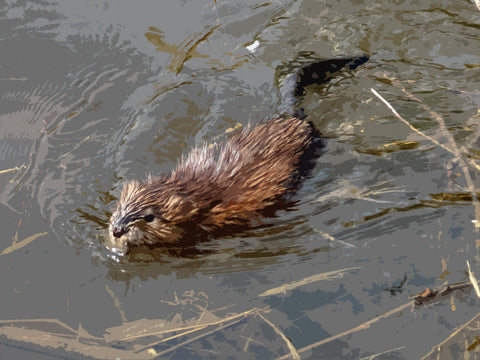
<point x="138" y="219"/>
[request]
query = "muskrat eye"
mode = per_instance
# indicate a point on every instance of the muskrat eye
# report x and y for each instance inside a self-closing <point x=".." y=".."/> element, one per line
<point x="149" y="218"/>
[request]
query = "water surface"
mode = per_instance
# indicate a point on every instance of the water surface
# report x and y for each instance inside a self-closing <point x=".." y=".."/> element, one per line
<point x="94" y="94"/>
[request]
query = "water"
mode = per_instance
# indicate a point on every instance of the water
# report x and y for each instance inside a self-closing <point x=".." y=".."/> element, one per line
<point x="93" y="94"/>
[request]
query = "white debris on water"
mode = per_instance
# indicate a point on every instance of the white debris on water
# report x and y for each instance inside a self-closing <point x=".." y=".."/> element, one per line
<point x="253" y="47"/>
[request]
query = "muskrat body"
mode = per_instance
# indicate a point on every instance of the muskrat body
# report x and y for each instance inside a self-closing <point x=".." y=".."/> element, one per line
<point x="217" y="190"/>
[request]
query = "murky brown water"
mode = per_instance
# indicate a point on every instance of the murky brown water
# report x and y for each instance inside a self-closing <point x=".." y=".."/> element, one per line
<point x="93" y="94"/>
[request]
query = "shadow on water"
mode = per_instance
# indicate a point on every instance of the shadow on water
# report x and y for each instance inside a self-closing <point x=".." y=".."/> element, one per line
<point x="247" y="250"/>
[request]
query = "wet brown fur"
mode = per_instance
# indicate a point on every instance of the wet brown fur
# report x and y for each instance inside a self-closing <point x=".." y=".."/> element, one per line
<point x="219" y="189"/>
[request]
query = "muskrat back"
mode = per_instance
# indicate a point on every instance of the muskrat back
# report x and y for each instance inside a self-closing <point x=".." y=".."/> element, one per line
<point x="219" y="189"/>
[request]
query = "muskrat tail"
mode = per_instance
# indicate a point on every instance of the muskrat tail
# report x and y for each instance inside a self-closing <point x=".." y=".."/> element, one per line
<point x="292" y="79"/>
<point x="307" y="69"/>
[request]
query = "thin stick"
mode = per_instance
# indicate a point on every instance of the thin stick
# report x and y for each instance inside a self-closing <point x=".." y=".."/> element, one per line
<point x="371" y="357"/>
<point x="453" y="150"/>
<point x="438" y="348"/>
<point x="473" y="279"/>
<point x="13" y="169"/>
<point x="188" y="341"/>
<point x="308" y="280"/>
<point x="117" y="303"/>
<point x="363" y="326"/>
<point x="407" y="123"/>
<point x="147" y="347"/>
<point x="293" y="351"/>
<point x="194" y="327"/>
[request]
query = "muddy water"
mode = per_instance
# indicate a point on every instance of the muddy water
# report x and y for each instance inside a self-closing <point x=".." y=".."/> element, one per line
<point x="93" y="94"/>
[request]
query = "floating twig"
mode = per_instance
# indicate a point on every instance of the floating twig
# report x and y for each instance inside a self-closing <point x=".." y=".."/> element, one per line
<point x="117" y="303"/>
<point x="13" y="169"/>
<point x="430" y="294"/>
<point x="391" y="108"/>
<point x="19" y="244"/>
<point x="362" y="326"/>
<point x="293" y="351"/>
<point x="371" y="357"/>
<point x="323" y="276"/>
<point x="195" y="338"/>
<point x="473" y="279"/>
<point x="452" y="148"/>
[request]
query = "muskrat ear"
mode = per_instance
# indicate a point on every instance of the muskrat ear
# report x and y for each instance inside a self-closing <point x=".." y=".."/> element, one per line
<point x="149" y="218"/>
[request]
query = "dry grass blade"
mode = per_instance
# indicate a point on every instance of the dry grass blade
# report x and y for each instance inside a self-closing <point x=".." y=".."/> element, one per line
<point x="19" y="244"/>
<point x="308" y="280"/>
<point x="116" y="303"/>
<point x="390" y="107"/>
<point x="331" y="238"/>
<point x="13" y="169"/>
<point x="293" y="351"/>
<point x="363" y="326"/>
<point x="453" y="149"/>
<point x="473" y="280"/>
<point x="225" y="324"/>
<point x="186" y="329"/>
<point x="371" y="357"/>
<point x="439" y="349"/>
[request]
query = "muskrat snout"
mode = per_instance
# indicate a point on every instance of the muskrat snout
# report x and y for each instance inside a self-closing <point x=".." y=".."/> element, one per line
<point x="119" y="231"/>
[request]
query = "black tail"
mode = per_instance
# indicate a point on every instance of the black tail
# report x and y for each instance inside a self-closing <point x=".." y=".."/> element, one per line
<point x="308" y="69"/>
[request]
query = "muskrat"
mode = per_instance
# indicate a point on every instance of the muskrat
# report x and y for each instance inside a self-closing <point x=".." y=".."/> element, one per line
<point x="219" y="189"/>
<point x="223" y="189"/>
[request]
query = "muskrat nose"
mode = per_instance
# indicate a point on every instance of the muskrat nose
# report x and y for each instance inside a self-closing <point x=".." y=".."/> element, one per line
<point x="119" y="231"/>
